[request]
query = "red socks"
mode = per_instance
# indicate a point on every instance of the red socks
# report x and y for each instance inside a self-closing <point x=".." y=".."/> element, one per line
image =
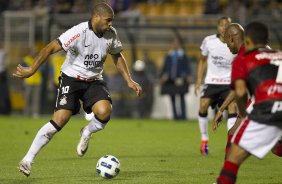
<point x="278" y="149"/>
<point x="228" y="173"/>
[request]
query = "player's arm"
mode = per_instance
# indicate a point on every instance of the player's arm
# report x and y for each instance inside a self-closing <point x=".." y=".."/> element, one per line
<point x="241" y="96"/>
<point x="25" y="72"/>
<point x="200" y="71"/>
<point x="122" y="67"/>
<point x="218" y="117"/>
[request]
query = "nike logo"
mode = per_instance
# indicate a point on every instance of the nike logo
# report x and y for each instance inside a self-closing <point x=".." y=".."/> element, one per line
<point x="86" y="45"/>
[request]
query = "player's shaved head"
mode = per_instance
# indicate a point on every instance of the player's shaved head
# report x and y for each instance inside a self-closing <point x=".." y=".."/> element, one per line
<point x="234" y="37"/>
<point x="102" y="9"/>
<point x="235" y="30"/>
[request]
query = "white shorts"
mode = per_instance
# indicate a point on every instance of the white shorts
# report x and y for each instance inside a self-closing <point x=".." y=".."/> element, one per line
<point x="256" y="138"/>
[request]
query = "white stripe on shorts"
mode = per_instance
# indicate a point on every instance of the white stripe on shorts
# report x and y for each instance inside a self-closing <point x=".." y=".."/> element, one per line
<point x="256" y="138"/>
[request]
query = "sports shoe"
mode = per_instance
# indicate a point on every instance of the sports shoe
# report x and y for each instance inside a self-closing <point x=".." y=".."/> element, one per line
<point x="82" y="144"/>
<point x="25" y="167"/>
<point x="204" y="148"/>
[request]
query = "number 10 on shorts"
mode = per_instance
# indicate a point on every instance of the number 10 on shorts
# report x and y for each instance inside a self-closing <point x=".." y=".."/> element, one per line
<point x="65" y="89"/>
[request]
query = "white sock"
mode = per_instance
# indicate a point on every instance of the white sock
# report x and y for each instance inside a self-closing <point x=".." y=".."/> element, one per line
<point x="93" y="126"/>
<point x="231" y="122"/>
<point x="203" y="125"/>
<point x="43" y="136"/>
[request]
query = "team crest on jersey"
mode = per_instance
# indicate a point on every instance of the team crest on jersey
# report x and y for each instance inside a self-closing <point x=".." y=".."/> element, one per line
<point x="63" y="100"/>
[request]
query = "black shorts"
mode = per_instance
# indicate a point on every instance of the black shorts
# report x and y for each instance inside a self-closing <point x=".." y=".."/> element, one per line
<point x="72" y="90"/>
<point x="217" y="93"/>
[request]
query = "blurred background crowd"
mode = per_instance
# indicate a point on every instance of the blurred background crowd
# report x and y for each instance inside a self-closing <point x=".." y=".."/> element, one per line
<point x="148" y="30"/>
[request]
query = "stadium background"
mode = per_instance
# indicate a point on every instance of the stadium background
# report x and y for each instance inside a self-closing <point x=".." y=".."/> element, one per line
<point x="143" y="26"/>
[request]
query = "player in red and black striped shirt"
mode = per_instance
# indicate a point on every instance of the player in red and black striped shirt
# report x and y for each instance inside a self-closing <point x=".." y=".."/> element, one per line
<point x="259" y="74"/>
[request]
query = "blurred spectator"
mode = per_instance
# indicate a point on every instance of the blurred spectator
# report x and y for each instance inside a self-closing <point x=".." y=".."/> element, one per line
<point x="212" y="7"/>
<point x="273" y="9"/>
<point x="150" y="69"/>
<point x="120" y="5"/>
<point x="32" y="86"/>
<point x="63" y="6"/>
<point x="79" y="6"/>
<point x="175" y="78"/>
<point x="5" y="105"/>
<point x="142" y="106"/>
<point x="236" y="9"/>
<point x="254" y="8"/>
<point x="40" y="9"/>
<point x="131" y="14"/>
<point x="4" y="4"/>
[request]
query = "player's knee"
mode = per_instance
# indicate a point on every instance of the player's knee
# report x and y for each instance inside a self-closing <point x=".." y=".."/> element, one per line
<point x="104" y="113"/>
<point x="61" y="120"/>
<point x="204" y="107"/>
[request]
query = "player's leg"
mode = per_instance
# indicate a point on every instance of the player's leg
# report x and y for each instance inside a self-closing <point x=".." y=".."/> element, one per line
<point x="277" y="149"/>
<point x="43" y="136"/>
<point x="232" y="115"/>
<point x="231" y="133"/>
<point x="183" y="106"/>
<point x="203" y="124"/>
<point x="97" y="100"/>
<point x="173" y="105"/>
<point x="102" y="112"/>
<point x="251" y="138"/>
<point x="229" y="171"/>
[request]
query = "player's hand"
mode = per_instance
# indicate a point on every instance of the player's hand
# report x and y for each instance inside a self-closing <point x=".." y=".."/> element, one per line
<point x="217" y="120"/>
<point x="136" y="87"/>
<point x="23" y="72"/>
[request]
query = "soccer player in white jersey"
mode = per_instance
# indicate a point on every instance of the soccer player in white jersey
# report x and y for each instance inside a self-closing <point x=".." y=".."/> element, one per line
<point x="218" y="58"/>
<point x="87" y="45"/>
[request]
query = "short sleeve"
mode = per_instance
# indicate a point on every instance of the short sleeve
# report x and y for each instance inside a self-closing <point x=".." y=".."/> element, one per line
<point x="204" y="47"/>
<point x="69" y="38"/>
<point x="116" y="46"/>
<point x="238" y="70"/>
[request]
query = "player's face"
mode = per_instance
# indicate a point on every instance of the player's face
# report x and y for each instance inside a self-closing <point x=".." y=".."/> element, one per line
<point x="222" y="25"/>
<point x="230" y="43"/>
<point x="102" y="23"/>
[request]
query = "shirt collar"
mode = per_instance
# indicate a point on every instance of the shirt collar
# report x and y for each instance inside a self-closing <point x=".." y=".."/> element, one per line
<point x="90" y="25"/>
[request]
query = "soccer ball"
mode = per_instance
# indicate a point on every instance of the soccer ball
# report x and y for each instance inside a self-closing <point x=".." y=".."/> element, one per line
<point x="108" y="166"/>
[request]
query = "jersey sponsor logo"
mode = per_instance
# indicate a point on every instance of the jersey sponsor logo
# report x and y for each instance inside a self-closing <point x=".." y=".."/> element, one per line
<point x="220" y="80"/>
<point x="91" y="61"/>
<point x="221" y="62"/>
<point x="277" y="106"/>
<point x="71" y="40"/>
<point x="274" y="89"/>
<point x="270" y="56"/>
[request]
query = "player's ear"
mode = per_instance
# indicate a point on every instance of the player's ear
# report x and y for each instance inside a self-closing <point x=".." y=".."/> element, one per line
<point x="248" y="42"/>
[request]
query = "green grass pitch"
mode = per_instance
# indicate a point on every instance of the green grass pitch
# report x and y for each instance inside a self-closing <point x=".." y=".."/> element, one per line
<point x="150" y="152"/>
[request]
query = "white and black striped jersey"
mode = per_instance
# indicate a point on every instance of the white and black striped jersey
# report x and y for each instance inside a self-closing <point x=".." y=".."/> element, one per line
<point x="219" y="60"/>
<point x="86" y="52"/>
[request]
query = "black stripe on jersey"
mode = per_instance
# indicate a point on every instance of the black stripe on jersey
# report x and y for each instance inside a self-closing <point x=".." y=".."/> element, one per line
<point x="59" y="41"/>
<point x="262" y="113"/>
<point x="260" y="74"/>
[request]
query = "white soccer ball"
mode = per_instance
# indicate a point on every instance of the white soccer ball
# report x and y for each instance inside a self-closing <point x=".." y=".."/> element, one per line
<point x="108" y="166"/>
